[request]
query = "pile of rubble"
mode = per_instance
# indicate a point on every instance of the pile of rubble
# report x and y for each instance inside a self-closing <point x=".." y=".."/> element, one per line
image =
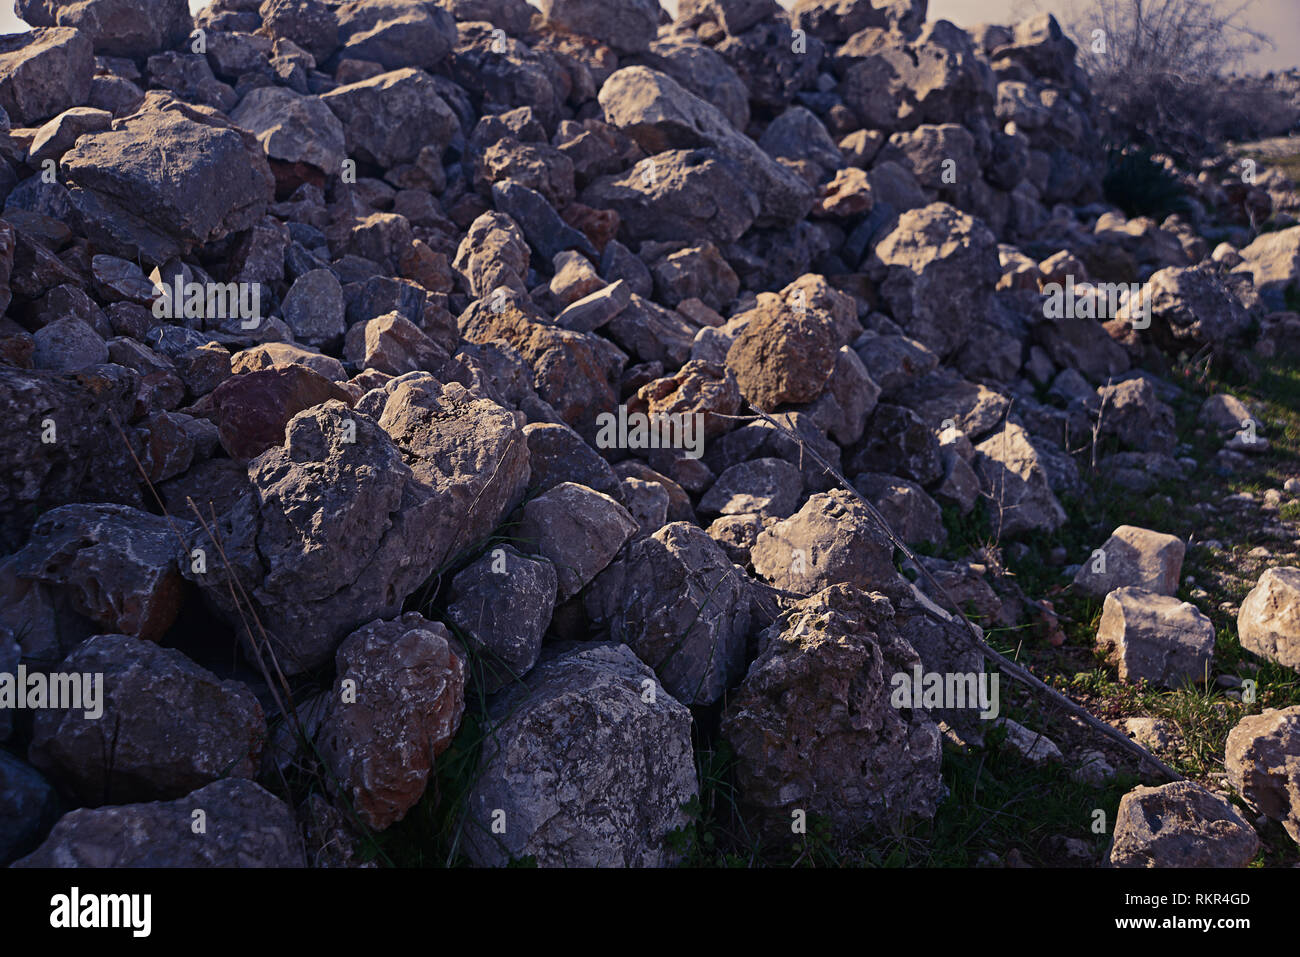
<point x="415" y="347"/>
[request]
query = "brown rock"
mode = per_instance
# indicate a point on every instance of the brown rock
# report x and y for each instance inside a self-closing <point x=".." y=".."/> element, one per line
<point x="252" y="410"/>
<point x="397" y="703"/>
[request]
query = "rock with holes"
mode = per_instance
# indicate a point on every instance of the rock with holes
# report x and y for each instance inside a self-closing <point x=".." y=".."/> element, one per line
<point x="397" y="703"/>
<point x="813" y="726"/>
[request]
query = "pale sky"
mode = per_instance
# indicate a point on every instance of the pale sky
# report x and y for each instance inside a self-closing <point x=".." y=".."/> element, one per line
<point x="1280" y="19"/>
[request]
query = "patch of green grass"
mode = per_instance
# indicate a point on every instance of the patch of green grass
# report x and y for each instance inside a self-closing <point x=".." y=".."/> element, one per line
<point x="997" y="802"/>
<point x="1288" y="166"/>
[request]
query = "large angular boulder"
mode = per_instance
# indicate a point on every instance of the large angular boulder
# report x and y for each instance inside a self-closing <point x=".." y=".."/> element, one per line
<point x="502" y="603"/>
<point x="785" y="353"/>
<point x="121" y="28"/>
<point x="833" y="539"/>
<point x="1014" y="481"/>
<point x="676" y="600"/>
<point x="1193" y="304"/>
<point x="63" y="443"/>
<point x="1133" y="413"/>
<point x="166" y="179"/>
<point x="112" y="564"/>
<point x="395" y="33"/>
<point x="895" y="85"/>
<point x="397" y="703"/>
<point x="940" y="267"/>
<point x="393" y="345"/>
<point x="813" y="726"/>
<point x="773" y="62"/>
<point x="314" y="308"/>
<point x="293" y="128"/>
<point x="1262" y="758"/>
<point x="1133" y="557"/>
<point x="1041" y="47"/>
<point x="68" y="345"/>
<point x="899" y="442"/>
<point x="557" y="454"/>
<point x="1268" y="623"/>
<point x="704" y="72"/>
<point x="576" y="372"/>
<point x="765" y="486"/>
<point x="661" y="115"/>
<point x="912" y="514"/>
<point x="493" y="253"/>
<point x="1273" y="263"/>
<point x="1083" y="345"/>
<point x="587" y="763"/>
<point x="625" y="25"/>
<point x="1179" y="825"/>
<point x="44" y="72"/>
<point x="1155" y="637"/>
<point x="166" y="727"/>
<point x="358" y="508"/>
<point x="576" y="529"/>
<point x="387" y="119"/>
<point x="244" y="826"/>
<point x="679" y="193"/>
